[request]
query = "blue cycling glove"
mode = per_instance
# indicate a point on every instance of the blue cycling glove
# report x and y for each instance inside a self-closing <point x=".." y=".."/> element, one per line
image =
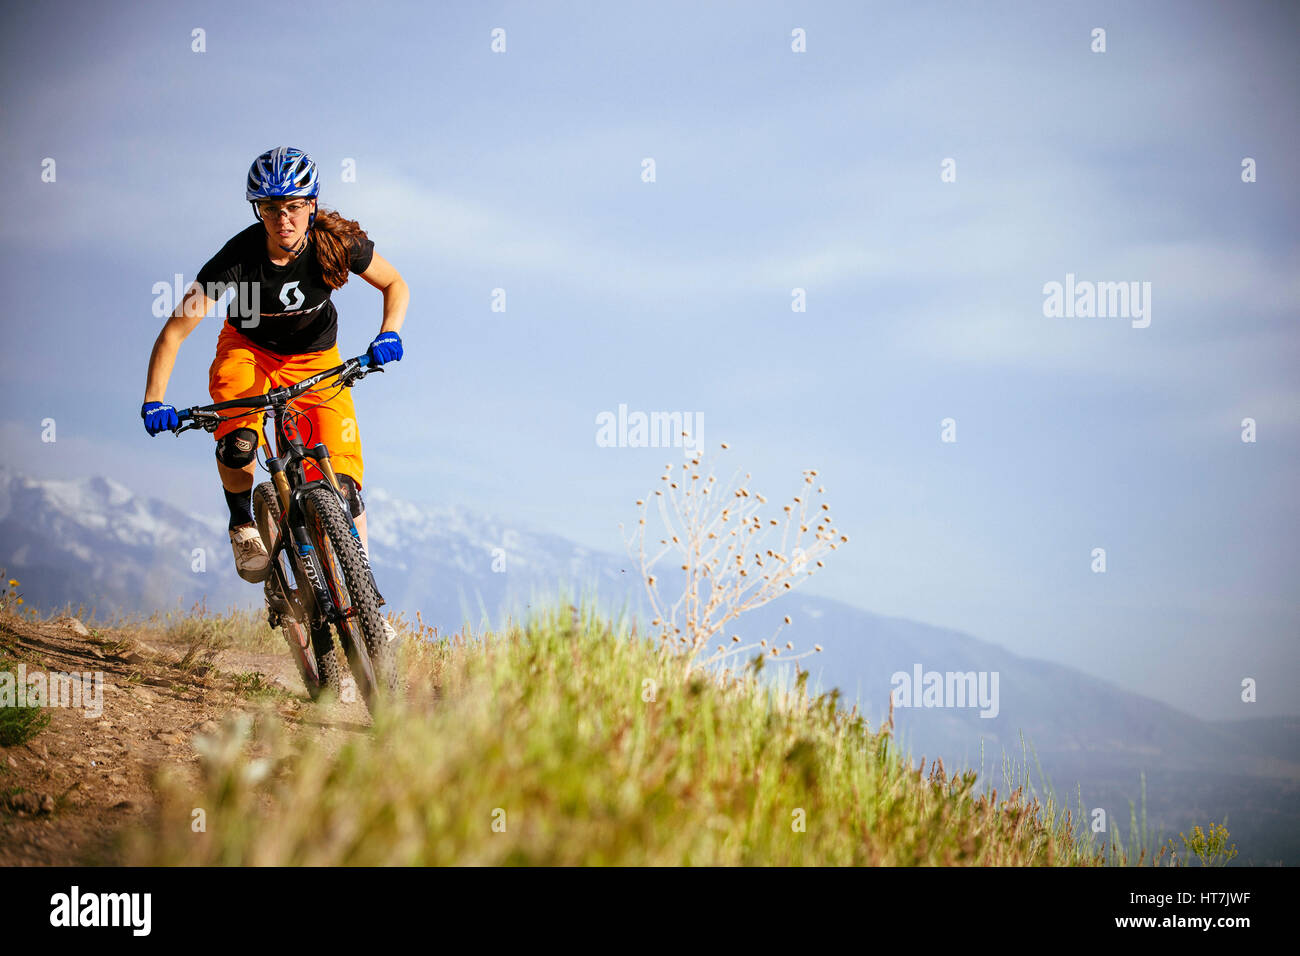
<point x="158" y="417"/>
<point x="387" y="347"/>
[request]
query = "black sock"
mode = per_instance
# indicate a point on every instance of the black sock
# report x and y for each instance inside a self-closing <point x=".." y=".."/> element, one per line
<point x="240" y="502"/>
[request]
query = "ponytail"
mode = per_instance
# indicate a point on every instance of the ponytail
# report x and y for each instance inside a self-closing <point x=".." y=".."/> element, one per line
<point x="335" y="238"/>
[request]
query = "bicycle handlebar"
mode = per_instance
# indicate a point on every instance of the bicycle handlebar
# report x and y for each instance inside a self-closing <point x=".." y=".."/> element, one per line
<point x="200" y="416"/>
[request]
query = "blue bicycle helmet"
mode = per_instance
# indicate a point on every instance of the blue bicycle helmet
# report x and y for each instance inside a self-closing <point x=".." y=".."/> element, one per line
<point x="282" y="173"/>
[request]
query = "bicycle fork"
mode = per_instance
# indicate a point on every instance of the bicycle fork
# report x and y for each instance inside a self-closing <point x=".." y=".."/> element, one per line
<point x="294" y="534"/>
<point x="310" y="563"/>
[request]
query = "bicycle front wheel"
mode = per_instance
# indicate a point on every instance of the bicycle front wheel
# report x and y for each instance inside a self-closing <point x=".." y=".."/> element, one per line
<point x="312" y="649"/>
<point x="361" y="629"/>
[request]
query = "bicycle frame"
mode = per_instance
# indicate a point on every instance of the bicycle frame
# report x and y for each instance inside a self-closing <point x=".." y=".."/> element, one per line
<point x="287" y="468"/>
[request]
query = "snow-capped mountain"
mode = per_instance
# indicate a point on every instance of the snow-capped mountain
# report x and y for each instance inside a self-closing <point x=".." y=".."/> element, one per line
<point x="454" y="565"/>
<point x="94" y="542"/>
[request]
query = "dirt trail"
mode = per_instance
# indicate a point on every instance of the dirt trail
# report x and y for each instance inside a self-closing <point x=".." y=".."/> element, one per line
<point x="69" y="793"/>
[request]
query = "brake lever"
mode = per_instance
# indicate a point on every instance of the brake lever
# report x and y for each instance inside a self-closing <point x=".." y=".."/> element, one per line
<point x="361" y="373"/>
<point x="208" y="421"/>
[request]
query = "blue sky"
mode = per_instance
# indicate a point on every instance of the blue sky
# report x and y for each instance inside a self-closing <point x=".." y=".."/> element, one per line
<point x="774" y="170"/>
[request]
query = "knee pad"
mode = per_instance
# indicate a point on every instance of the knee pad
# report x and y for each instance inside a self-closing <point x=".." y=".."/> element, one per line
<point x="237" y="449"/>
<point x="352" y="494"/>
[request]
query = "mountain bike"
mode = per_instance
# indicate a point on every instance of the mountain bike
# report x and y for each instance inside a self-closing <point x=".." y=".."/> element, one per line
<point x="319" y="575"/>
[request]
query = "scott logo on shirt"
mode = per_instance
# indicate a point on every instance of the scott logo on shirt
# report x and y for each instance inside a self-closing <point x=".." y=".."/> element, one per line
<point x="298" y="298"/>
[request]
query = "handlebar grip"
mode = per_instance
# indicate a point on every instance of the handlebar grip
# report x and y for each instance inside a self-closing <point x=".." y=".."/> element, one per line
<point x="364" y="360"/>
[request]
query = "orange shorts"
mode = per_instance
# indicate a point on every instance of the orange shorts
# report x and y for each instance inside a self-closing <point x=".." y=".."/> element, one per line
<point x="242" y="369"/>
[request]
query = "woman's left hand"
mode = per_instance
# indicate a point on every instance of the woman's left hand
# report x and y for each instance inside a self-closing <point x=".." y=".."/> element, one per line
<point x="387" y="347"/>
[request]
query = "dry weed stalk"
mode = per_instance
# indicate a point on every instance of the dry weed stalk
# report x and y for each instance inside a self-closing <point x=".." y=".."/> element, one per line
<point x="727" y="555"/>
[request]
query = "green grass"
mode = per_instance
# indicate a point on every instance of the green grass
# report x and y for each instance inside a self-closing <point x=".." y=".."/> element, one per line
<point x="569" y="741"/>
<point x="537" y="745"/>
<point x="19" y="724"/>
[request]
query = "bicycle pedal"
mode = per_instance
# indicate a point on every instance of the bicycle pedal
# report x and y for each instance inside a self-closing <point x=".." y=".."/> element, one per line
<point x="275" y="603"/>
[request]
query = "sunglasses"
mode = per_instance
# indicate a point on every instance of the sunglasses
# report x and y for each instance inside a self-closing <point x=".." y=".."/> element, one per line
<point x="273" y="211"/>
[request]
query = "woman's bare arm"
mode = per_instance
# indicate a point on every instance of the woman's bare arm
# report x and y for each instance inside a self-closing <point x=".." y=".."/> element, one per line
<point x="179" y="325"/>
<point x="381" y="274"/>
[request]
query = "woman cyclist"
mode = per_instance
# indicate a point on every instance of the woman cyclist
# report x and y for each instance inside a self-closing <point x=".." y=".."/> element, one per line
<point x="283" y="269"/>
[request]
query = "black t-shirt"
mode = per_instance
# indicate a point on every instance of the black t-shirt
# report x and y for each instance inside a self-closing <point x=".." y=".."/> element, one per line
<point x="285" y="309"/>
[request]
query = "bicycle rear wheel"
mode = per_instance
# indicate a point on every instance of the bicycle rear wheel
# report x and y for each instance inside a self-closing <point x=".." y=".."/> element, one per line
<point x="361" y="628"/>
<point x="312" y="648"/>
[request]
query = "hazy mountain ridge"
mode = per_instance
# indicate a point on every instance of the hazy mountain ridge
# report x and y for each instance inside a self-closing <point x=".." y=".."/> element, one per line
<point x="94" y="540"/>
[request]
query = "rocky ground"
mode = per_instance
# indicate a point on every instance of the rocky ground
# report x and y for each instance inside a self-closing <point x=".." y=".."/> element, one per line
<point x="74" y="791"/>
